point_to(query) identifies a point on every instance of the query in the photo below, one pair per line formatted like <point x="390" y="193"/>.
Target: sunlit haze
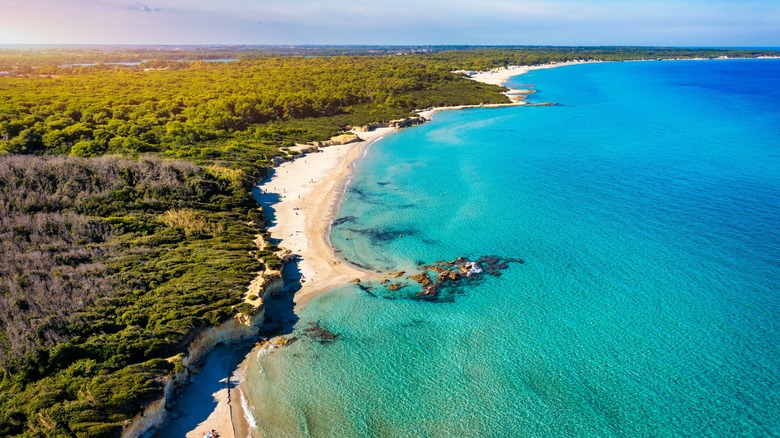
<point x="490" y="22"/>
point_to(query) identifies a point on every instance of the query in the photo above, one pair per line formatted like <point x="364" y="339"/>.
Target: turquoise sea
<point x="646" y="208"/>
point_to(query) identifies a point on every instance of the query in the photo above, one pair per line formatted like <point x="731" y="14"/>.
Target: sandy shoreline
<point x="501" y="76"/>
<point x="302" y="196"/>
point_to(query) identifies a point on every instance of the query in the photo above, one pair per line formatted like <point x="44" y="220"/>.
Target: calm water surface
<point x="646" y="209"/>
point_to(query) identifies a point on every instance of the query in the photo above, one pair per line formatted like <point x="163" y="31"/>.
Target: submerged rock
<point x="421" y="278"/>
<point x="456" y="274"/>
<point x="441" y="280"/>
<point x="448" y="275"/>
<point x="315" y="332"/>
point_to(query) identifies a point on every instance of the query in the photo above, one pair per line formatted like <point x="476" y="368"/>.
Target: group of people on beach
<point x="211" y="434"/>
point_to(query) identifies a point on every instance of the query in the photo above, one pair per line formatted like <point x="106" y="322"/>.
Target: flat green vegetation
<point x="126" y="220"/>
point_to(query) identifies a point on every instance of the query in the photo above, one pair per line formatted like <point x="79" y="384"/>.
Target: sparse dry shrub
<point x="190" y="220"/>
<point x="235" y="177"/>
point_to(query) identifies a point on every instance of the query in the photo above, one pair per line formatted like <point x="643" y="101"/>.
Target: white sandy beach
<point x="211" y="401"/>
<point x="501" y="76"/>
<point x="308" y="190"/>
<point x="304" y="194"/>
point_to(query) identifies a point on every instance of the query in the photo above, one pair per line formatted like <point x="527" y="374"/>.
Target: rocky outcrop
<point x="154" y="414"/>
<point x="445" y="275"/>
<point x="274" y="283"/>
<point x="399" y="123"/>
<point x="404" y="123"/>
<point x="368" y="128"/>
<point x="340" y="139"/>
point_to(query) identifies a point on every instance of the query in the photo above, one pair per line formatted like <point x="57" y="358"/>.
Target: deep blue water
<point x="646" y="209"/>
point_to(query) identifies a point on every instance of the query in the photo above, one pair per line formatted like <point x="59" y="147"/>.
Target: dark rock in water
<point x="367" y="268"/>
<point x="443" y="280"/>
<point x="430" y="292"/>
<point x="316" y="333"/>
<point x="367" y="290"/>
<point x="454" y="275"/>
<point x="364" y="196"/>
<point x="421" y="278"/>
<point x="493" y="265"/>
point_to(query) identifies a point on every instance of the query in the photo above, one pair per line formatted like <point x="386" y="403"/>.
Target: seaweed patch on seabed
<point x="383" y="235"/>
<point x="442" y="281"/>
<point x="343" y="220"/>
<point x="364" y="195"/>
<point x="317" y="333"/>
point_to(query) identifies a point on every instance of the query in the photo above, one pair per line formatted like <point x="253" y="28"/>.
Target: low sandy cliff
<point x="241" y="327"/>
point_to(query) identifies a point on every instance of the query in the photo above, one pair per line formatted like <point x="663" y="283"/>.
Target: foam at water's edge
<point x="250" y="419"/>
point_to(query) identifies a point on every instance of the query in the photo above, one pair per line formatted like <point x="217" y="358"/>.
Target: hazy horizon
<point x="686" y="23"/>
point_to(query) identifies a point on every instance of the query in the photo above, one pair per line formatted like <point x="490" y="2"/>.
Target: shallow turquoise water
<point x="646" y="209"/>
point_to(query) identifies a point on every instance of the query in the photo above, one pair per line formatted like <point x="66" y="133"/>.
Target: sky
<point x="734" y="23"/>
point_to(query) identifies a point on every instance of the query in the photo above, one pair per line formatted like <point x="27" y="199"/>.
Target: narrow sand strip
<point x="303" y="195"/>
<point x="501" y="76"/>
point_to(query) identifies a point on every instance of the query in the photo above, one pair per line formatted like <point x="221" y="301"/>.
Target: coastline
<point x="303" y="196"/>
<point x="501" y="76"/>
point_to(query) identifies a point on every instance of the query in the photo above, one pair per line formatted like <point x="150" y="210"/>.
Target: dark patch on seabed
<point x="317" y="333"/>
<point x="384" y="235"/>
<point x="441" y="281"/>
<point x="343" y="220"/>
<point x="364" y="196"/>
<point x="367" y="268"/>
